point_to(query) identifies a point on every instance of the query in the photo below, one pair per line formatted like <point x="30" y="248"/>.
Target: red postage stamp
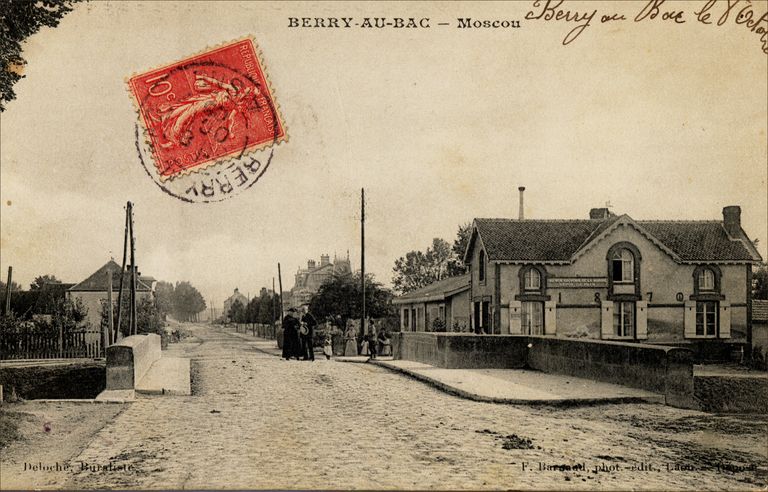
<point x="207" y="108"/>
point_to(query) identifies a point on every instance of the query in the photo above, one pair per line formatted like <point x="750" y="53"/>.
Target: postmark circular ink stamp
<point x="208" y="125"/>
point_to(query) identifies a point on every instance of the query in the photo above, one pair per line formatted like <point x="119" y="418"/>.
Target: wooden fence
<point x="47" y="345"/>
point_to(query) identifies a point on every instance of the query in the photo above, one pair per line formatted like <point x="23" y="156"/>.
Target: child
<point x="365" y="347"/>
<point x="328" y="346"/>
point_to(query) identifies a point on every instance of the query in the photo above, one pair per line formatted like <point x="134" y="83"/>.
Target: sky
<point x="439" y="126"/>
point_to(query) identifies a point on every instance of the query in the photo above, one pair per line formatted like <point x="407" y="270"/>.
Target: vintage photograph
<point x="356" y="245"/>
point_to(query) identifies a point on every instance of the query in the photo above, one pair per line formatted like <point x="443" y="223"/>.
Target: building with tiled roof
<point x="93" y="290"/>
<point x="612" y="277"/>
<point x="307" y="281"/>
<point x="446" y="300"/>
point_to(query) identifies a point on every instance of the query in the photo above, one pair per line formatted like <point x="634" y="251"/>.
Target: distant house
<point x="236" y="296"/>
<point x="93" y="291"/>
<point x="446" y="300"/>
<point x="613" y="278"/>
<point x="308" y="280"/>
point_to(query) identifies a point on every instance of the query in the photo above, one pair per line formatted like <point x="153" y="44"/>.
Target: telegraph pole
<point x="122" y="276"/>
<point x="7" y="308"/>
<point x="134" y="330"/>
<point x="362" y="259"/>
<point x="274" y="297"/>
<point x="280" y="280"/>
<point x="111" y="322"/>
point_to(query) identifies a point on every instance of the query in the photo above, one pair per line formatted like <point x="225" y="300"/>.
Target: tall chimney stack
<point x="732" y="220"/>
<point x="521" y="215"/>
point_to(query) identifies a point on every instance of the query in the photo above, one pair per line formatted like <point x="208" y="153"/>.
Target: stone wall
<point x="129" y="359"/>
<point x="664" y="370"/>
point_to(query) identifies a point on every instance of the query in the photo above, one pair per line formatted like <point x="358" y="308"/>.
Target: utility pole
<point x="362" y="260"/>
<point x="274" y="296"/>
<point x="134" y="330"/>
<point x="280" y="280"/>
<point x="111" y="322"/>
<point x="122" y="277"/>
<point x="7" y="307"/>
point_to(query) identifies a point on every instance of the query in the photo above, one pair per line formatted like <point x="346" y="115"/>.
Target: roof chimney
<point x="521" y="213"/>
<point x="311" y="264"/>
<point x="732" y="220"/>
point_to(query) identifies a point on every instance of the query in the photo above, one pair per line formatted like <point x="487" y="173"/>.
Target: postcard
<point x="384" y="245"/>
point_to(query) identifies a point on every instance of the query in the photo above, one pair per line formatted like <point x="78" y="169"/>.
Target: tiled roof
<point x="535" y="240"/>
<point x="436" y="290"/>
<point x="697" y="240"/>
<point x="559" y="240"/>
<point x="759" y="310"/>
<point x="97" y="282"/>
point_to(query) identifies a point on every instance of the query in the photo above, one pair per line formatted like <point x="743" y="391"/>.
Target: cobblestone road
<point x="260" y="422"/>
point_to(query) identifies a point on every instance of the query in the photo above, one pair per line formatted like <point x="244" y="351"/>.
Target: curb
<point x="569" y="402"/>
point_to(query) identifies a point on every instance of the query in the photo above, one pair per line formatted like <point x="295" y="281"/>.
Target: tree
<point x="441" y="260"/>
<point x="760" y="282"/>
<point x="42" y="280"/>
<point x="456" y="265"/>
<point x="19" y="21"/>
<point x="164" y="298"/>
<point x="187" y="301"/>
<point x="237" y="313"/>
<point x="340" y="296"/>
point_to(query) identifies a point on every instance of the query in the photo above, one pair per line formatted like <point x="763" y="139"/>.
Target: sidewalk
<point x="519" y="386"/>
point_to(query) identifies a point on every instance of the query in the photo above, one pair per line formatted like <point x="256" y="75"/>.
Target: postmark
<point x="208" y="124"/>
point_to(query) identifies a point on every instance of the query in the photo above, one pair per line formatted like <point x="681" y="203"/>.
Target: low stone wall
<point x="732" y="394"/>
<point x="53" y="381"/>
<point x="129" y="359"/>
<point x="664" y="370"/>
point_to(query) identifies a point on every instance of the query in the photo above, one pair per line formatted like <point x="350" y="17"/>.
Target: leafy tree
<point x="149" y="319"/>
<point x="237" y="312"/>
<point x="187" y="301"/>
<point x="341" y="296"/>
<point x="42" y="280"/>
<point x="14" y="287"/>
<point x="456" y="265"/>
<point x="19" y="20"/>
<point x="164" y="298"/>
<point x="760" y="282"/>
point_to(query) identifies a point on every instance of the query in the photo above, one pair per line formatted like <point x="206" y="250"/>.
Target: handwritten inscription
<point x="712" y="12"/>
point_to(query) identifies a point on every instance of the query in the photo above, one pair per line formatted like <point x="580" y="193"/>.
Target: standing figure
<point x="328" y="346"/>
<point x="291" y="343"/>
<point x="372" y="342"/>
<point x="350" y="349"/>
<point x="308" y="323"/>
<point x="365" y="346"/>
<point x="385" y="345"/>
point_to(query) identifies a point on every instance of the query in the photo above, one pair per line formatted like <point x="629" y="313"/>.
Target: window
<point x="706" y="318"/>
<point x="623" y="318"/>
<point x="623" y="263"/>
<point x="481" y="267"/>
<point x="532" y="318"/>
<point x="532" y="280"/>
<point x="406" y="319"/>
<point x="706" y="280"/>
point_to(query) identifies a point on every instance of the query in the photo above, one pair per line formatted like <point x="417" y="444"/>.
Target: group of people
<point x="299" y="331"/>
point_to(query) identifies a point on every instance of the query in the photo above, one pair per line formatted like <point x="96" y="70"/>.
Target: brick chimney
<point x="325" y="260"/>
<point x="732" y="220"/>
<point x="310" y="264"/>
<point x="521" y="212"/>
<point x="599" y="214"/>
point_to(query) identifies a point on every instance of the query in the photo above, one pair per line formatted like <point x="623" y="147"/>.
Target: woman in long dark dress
<point x="291" y="344"/>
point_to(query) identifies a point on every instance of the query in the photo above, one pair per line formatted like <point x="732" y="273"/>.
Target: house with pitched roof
<point x="93" y="291"/>
<point x="612" y="277"/>
<point x="446" y="300"/>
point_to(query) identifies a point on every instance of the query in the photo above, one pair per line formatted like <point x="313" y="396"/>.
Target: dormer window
<point x="532" y="280"/>
<point x="706" y="280"/>
<point x="623" y="263"/>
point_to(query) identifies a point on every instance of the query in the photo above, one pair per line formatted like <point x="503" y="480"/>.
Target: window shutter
<point x="515" y="315"/>
<point x="550" y="318"/>
<point x="641" y="310"/>
<point x="606" y="319"/>
<point x="725" y="319"/>
<point x="690" y="319"/>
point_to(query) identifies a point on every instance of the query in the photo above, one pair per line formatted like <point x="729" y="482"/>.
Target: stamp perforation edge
<point x="222" y="159"/>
